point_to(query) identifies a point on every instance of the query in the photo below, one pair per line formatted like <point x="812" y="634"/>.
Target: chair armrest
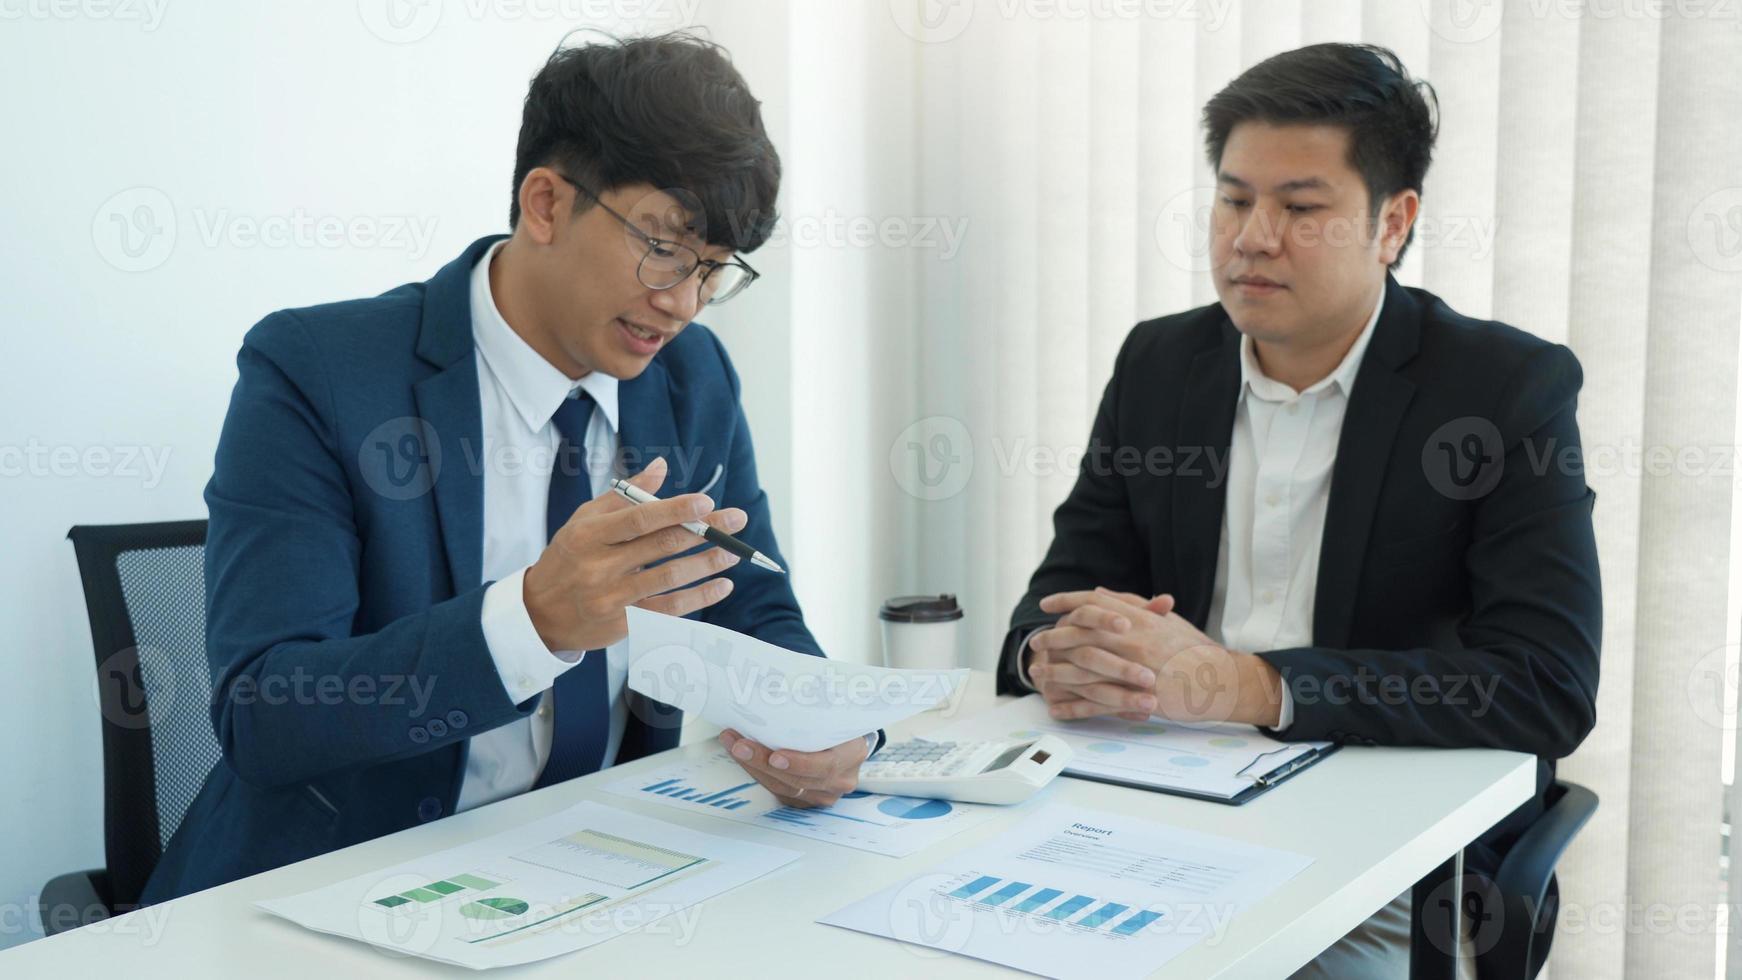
<point x="75" y="899"/>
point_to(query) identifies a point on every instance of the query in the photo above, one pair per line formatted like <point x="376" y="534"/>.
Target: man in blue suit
<point x="416" y="584"/>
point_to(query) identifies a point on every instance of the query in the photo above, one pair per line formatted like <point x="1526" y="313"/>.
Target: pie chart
<point x="911" y="809"/>
<point x="493" y="908"/>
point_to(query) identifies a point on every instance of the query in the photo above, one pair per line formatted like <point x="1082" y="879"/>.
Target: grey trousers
<point x="1377" y="949"/>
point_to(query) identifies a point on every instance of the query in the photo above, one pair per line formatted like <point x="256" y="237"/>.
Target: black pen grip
<point x="729" y="543"/>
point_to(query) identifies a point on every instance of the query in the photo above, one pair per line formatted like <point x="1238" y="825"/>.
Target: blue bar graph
<point x="981" y="890"/>
<point x="1130" y="926"/>
<point x="1038" y="899"/>
<point x="725" y="792"/>
<point x="793" y="815"/>
<point x="1068" y="908"/>
<point x="1007" y="893"/>
<point x="1102" y="915"/>
<point x="675" y="789"/>
<point x="974" y="887"/>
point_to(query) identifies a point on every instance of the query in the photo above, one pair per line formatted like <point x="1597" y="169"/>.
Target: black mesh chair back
<point x="146" y="597"/>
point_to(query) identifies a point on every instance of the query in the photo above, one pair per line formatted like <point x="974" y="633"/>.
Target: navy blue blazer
<point x="1458" y="599"/>
<point x="343" y="570"/>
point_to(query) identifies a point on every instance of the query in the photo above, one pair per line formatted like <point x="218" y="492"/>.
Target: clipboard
<point x="1261" y="783"/>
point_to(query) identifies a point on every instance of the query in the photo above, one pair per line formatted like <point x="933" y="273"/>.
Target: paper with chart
<point x="784" y="700"/>
<point x="569" y="881"/>
<point x="892" y="825"/>
<point x="1220" y="760"/>
<point x="1078" y="893"/>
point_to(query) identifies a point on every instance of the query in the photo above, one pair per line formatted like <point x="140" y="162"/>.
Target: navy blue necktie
<point x="581" y="701"/>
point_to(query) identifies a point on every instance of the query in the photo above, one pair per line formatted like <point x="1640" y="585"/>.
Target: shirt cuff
<point x="525" y="664"/>
<point x="1286" y="718"/>
<point x="1022" y="652"/>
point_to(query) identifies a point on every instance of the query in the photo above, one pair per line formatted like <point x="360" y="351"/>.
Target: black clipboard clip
<point x="1277" y="775"/>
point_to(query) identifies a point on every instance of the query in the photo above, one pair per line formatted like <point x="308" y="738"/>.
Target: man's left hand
<point x="801" y="779"/>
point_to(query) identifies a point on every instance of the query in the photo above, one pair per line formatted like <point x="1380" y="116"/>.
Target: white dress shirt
<point x="519" y="391"/>
<point x="1283" y="449"/>
<point x="1279" y="480"/>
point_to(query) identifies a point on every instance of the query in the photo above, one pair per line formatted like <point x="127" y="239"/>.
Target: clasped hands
<point x="1114" y="653"/>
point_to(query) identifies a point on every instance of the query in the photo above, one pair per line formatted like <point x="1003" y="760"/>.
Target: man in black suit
<point x="1328" y="505"/>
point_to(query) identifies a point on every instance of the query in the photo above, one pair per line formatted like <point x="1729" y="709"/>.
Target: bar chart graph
<point x="716" y="785"/>
<point x="723" y="798"/>
<point x="1080" y="911"/>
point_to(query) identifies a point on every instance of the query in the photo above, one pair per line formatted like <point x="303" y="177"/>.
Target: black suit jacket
<point x="1458" y="600"/>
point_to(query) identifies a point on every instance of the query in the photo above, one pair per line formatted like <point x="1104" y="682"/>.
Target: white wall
<point x="236" y="119"/>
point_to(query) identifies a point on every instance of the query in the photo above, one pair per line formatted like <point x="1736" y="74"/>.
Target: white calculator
<point x="1002" y="771"/>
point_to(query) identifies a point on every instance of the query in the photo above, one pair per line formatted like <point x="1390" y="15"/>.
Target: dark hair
<point x="1392" y="118"/>
<point x="667" y="110"/>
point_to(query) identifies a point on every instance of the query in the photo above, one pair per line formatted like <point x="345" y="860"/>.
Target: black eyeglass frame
<point x="654" y="244"/>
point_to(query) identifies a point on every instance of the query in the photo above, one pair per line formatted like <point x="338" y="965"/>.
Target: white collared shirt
<point x="518" y="393"/>
<point x="1279" y="480"/>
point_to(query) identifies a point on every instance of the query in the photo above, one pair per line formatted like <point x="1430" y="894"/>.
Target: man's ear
<point x="1396" y="218"/>
<point x="543" y="198"/>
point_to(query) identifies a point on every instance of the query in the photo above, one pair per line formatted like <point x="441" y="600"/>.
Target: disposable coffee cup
<point x="923" y="632"/>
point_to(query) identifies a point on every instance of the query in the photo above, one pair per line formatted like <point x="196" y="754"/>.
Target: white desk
<point x="1375" y="819"/>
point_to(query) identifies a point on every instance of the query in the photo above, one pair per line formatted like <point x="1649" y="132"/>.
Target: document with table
<point x="566" y="882"/>
<point x="1218" y="762"/>
<point x="1077" y="893"/>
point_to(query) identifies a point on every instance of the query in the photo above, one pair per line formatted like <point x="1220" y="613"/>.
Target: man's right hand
<point x="596" y="566"/>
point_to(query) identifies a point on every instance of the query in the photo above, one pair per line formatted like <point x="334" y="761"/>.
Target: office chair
<point x="1526" y="887"/>
<point x="145" y="595"/>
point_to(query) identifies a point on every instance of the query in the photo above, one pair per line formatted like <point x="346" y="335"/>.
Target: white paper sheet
<point x="783" y="699"/>
<point x="892" y="825"/>
<point x="1216" y="760"/>
<point x="563" y="883"/>
<point x="1078" y="893"/>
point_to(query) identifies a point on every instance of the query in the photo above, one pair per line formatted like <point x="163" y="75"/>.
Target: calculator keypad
<point x="922" y="759"/>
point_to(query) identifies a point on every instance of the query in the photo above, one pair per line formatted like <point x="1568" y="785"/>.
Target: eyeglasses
<point x="667" y="263"/>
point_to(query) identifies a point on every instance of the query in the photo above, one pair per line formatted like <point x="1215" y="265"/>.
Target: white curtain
<point x="1587" y="188"/>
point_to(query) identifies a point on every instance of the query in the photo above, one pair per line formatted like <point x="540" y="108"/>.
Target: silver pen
<point x="634" y="494"/>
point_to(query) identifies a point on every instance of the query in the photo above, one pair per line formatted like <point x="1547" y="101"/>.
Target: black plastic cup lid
<point x="920" y="609"/>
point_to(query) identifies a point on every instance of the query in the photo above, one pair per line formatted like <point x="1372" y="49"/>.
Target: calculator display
<point x="1009" y="756"/>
